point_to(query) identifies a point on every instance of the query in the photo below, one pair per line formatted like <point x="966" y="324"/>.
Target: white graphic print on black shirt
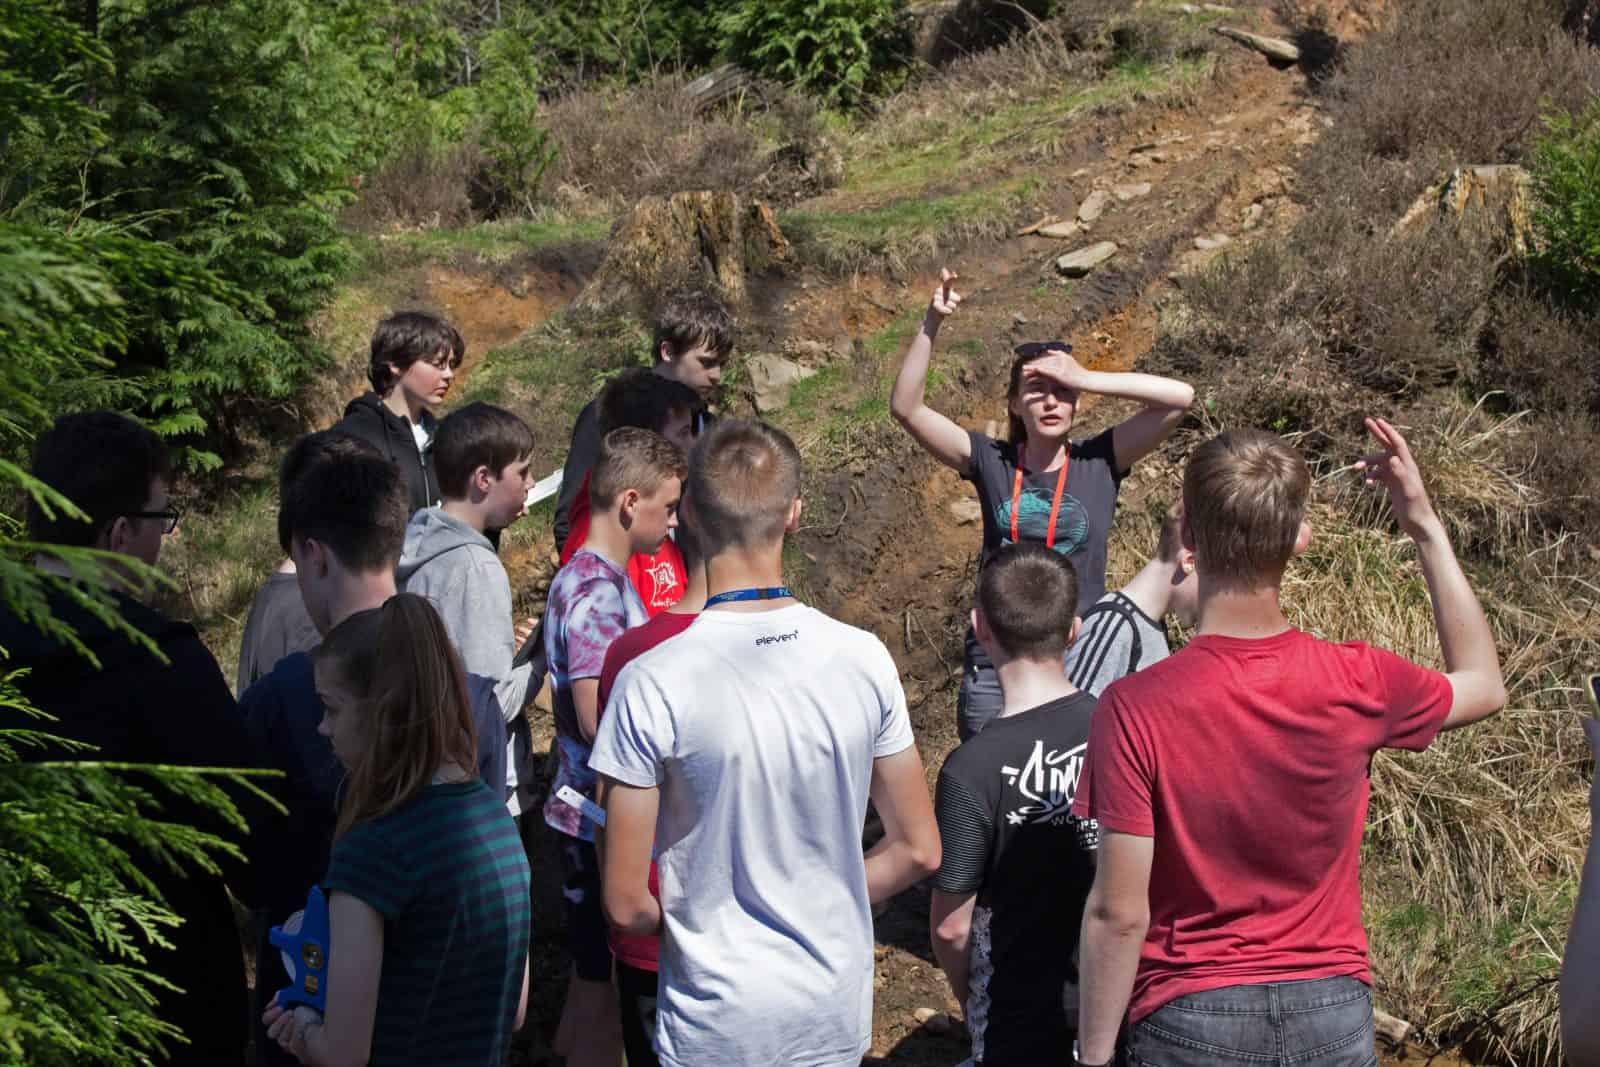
<point x="1003" y="805"/>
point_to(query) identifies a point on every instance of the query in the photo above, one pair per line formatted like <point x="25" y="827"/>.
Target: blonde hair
<point x="400" y="670"/>
<point x="1244" y="493"/>
<point x="633" y="458"/>
<point x="744" y="478"/>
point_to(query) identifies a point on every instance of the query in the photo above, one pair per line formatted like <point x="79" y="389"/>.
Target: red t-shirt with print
<point x="659" y="577"/>
<point x="637" y="950"/>
<point x="1248" y="762"/>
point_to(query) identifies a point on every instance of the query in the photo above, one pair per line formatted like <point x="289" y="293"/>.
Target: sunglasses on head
<point x="1033" y="349"/>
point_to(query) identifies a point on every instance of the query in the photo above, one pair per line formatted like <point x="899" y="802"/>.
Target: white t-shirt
<point x="760" y="729"/>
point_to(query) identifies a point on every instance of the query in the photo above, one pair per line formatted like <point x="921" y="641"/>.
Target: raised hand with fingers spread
<point x="1395" y="468"/>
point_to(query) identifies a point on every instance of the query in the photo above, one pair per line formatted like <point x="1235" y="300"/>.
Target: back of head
<point x="104" y="463"/>
<point x="744" y="478"/>
<point x="631" y="458"/>
<point x="405" y="337"/>
<point x="477" y="435"/>
<point x="343" y="493"/>
<point x="1028" y="596"/>
<point x="640" y="397"/>
<point x="688" y="320"/>
<point x="1244" y="496"/>
<point x="396" y="669"/>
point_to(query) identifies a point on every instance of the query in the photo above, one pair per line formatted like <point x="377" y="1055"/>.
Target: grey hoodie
<point x="456" y="568"/>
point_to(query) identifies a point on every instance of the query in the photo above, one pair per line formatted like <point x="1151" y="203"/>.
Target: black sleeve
<point x="1101" y="447"/>
<point x="580" y="458"/>
<point x="966" y="832"/>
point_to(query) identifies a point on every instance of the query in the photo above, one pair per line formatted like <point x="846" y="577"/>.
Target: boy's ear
<point x="1072" y="635"/>
<point x="793" y="523"/>
<point x="116" y="535"/>
<point x="1186" y="535"/>
<point x="980" y="626"/>
<point x="1302" y="540"/>
<point x="627" y="501"/>
<point x="666" y="354"/>
<point x="482" y="478"/>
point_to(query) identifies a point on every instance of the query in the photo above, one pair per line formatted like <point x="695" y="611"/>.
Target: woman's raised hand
<point x="945" y="299"/>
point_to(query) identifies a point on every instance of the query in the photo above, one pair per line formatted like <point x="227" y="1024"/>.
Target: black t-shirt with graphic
<point x="1088" y="504"/>
<point x="1004" y="804"/>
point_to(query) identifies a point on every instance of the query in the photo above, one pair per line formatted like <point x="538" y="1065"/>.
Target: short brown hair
<point x="1169" y="545"/>
<point x="641" y="397"/>
<point x="631" y="458"/>
<point x="1028" y="595"/>
<point x="405" y="337"/>
<point x="689" y="319"/>
<point x="743" y="478"/>
<point x="1244" y="493"/>
<point x="477" y="435"/>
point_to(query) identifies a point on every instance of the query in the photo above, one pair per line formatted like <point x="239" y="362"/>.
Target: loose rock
<point x="1093" y="206"/>
<point x="1130" y="191"/>
<point x="1079" y="263"/>
<point x="1213" y="242"/>
<point x="1274" y="48"/>
<point x="1061" y="229"/>
<point x="966" y="510"/>
<point x="1252" y="215"/>
<point x="771" y="377"/>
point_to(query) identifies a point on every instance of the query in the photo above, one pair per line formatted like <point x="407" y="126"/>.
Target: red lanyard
<point x="1055" y="505"/>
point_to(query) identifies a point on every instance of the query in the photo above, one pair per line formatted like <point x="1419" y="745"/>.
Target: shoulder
<point x="862" y="645"/>
<point x="1096" y="449"/>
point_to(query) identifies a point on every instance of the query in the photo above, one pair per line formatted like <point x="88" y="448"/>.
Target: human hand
<point x="945" y="299"/>
<point x="524" y="630"/>
<point x="1059" y="367"/>
<point x="1396" y="470"/>
<point x="289" y="1028"/>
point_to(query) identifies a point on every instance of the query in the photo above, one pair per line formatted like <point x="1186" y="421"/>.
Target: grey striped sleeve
<point x="1100" y="655"/>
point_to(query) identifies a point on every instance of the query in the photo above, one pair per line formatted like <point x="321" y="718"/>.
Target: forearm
<point x="635" y="913"/>
<point x="1464" y="635"/>
<point x="910" y="385"/>
<point x="893" y="866"/>
<point x="1152" y="390"/>
<point x="1110" y="958"/>
<point x="952" y="956"/>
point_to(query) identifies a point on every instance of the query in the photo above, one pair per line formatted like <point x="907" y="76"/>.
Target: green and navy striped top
<point x="448" y="874"/>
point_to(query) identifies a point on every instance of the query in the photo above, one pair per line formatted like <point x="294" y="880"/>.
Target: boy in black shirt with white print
<point x="1009" y="895"/>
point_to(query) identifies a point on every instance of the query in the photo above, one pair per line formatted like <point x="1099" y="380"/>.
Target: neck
<point x="1151" y="588"/>
<point x="742" y="567"/>
<point x="1027" y="683"/>
<point x="466" y="511"/>
<point x="1234" y="612"/>
<point x="359" y="592"/>
<point x="608" y="538"/>
<point x="694" y="596"/>
<point x="1044" y="454"/>
<point x="395" y="400"/>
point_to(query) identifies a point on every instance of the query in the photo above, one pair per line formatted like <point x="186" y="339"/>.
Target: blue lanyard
<point x="771" y="592"/>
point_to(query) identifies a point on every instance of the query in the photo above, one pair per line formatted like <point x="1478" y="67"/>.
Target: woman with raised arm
<point x="1039" y="484"/>
<point x="427" y="886"/>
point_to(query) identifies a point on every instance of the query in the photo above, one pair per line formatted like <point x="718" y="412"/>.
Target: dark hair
<point x="743" y="477"/>
<point x="631" y="458"/>
<point x="641" y="397"/>
<point x="1028" y="595"/>
<point x="346" y="495"/>
<point x="405" y="337"/>
<point x="477" y="435"/>
<point x="102" y="462"/>
<point x="689" y="319"/>
<point x="406" y="681"/>
<point x="1244" y="497"/>
<point x="1022" y="355"/>
<point x="308" y="449"/>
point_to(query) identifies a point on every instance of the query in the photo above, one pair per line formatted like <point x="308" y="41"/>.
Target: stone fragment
<point x="1130" y="191"/>
<point x="1079" y="263"/>
<point x="966" y="510"/>
<point x="1213" y="242"/>
<point x="1061" y="229"/>
<point x="1093" y="206"/>
<point x="771" y="378"/>
<point x="1274" y="48"/>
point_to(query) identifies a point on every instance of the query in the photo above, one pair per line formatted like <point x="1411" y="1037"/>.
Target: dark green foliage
<point x="840" y="50"/>
<point x="1566" y="180"/>
<point x="589" y="39"/>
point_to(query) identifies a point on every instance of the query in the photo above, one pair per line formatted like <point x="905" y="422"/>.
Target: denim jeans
<point x="1326" y="1022"/>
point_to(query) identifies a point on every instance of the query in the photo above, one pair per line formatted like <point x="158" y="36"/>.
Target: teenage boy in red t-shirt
<point x="637" y="955"/>
<point x="643" y="399"/>
<point x="1230" y="782"/>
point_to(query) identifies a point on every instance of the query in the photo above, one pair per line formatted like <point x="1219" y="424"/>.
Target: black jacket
<point x="137" y="709"/>
<point x="368" y="418"/>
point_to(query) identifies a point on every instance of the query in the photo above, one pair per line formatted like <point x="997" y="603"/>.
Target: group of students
<point x="1132" y="850"/>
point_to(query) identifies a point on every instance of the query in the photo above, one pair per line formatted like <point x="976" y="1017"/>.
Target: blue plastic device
<point x="306" y="955"/>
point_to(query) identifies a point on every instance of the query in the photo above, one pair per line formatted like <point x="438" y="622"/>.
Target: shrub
<point x="1566" y="182"/>
<point x="515" y="144"/>
<point x="839" y="50"/>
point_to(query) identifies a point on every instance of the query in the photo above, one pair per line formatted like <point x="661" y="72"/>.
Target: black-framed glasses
<point x="170" y="514"/>
<point x="1034" y="349"/>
